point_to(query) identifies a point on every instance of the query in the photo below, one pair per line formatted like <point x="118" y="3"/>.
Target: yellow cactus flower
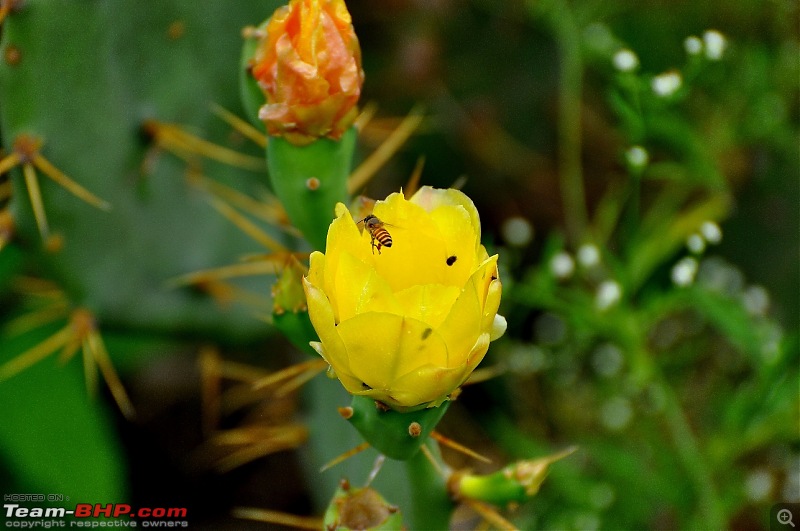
<point x="309" y="67"/>
<point x="406" y="323"/>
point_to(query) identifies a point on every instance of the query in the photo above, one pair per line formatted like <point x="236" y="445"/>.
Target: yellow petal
<point x="343" y="237"/>
<point x="429" y="303"/>
<point x="316" y="269"/>
<point x="322" y="318"/>
<point x="491" y="304"/>
<point x="431" y="198"/>
<point x="459" y="260"/>
<point x="382" y="346"/>
<point x="418" y="251"/>
<point x="476" y="354"/>
<point x="359" y="289"/>
<point x="425" y="384"/>
<point x="463" y="325"/>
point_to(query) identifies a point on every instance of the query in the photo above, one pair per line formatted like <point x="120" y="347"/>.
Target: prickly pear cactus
<point x="81" y="85"/>
<point x="85" y="80"/>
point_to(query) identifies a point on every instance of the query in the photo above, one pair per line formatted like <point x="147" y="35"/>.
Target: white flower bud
<point x="693" y="45"/>
<point x="625" y="60"/>
<point x="711" y="232"/>
<point x="684" y="271"/>
<point x="517" y="231"/>
<point x="608" y="294"/>
<point x="695" y="243"/>
<point x="637" y="156"/>
<point x="562" y="265"/>
<point x="715" y="44"/>
<point x="667" y="84"/>
<point x="588" y="255"/>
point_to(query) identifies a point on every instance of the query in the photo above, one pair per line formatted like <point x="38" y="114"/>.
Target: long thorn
<point x="432" y="460"/>
<point x="413" y="182"/>
<point x="376" y="467"/>
<point x="103" y="361"/>
<point x="210" y="379"/>
<point x="89" y="369"/>
<point x="69" y="350"/>
<point x="240" y="125"/>
<point x="36" y="200"/>
<point x="365" y="115"/>
<point x="35" y="319"/>
<point x="230" y="271"/>
<point x="242" y="372"/>
<point x="292" y="371"/>
<point x="450" y="443"/>
<point x="71" y="186"/>
<point x="361" y="176"/>
<point x="5" y="190"/>
<point x="268" y="209"/>
<point x="173" y="137"/>
<point x="284" y="438"/>
<point x="298" y="381"/>
<point x="343" y="457"/>
<point x="247" y="226"/>
<point x="490" y="515"/>
<point x="36" y="353"/>
<point x="276" y="517"/>
<point x="9" y="162"/>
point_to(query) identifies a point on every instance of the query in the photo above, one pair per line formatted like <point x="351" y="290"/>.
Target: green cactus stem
<point x="309" y="180"/>
<point x="396" y="435"/>
<point x="431" y="505"/>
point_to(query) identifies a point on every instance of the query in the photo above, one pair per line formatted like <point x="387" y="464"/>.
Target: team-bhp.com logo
<point x="94" y="515"/>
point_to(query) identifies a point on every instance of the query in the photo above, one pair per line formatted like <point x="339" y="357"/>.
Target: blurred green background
<point x="683" y="400"/>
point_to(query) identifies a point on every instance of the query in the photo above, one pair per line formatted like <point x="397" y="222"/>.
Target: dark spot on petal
<point x="494" y="277"/>
<point x="365" y="386"/>
<point x="452" y="260"/>
<point x="426" y="333"/>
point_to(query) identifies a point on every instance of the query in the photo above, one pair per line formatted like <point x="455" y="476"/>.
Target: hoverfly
<point x="380" y="237"/>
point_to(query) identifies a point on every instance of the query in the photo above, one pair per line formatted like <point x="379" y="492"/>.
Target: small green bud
<point x="515" y="483"/>
<point x="290" y="311"/>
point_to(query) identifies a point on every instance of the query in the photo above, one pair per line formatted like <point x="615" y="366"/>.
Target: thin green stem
<point x="693" y="460"/>
<point x="567" y="34"/>
<point x="431" y="507"/>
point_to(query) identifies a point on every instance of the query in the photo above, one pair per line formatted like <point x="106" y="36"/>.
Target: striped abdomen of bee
<point x="377" y="231"/>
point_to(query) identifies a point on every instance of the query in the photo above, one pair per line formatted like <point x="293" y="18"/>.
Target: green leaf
<point x="56" y="439"/>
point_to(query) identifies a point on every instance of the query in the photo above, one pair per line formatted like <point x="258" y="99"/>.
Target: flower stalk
<point x="394" y="434"/>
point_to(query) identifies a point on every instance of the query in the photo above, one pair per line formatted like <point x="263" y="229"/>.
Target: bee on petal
<point x="377" y="232"/>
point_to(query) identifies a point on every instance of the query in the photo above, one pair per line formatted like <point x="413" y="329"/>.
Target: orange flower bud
<point x="309" y="66"/>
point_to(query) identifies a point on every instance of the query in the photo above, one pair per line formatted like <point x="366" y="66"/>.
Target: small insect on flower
<point x="377" y="231"/>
